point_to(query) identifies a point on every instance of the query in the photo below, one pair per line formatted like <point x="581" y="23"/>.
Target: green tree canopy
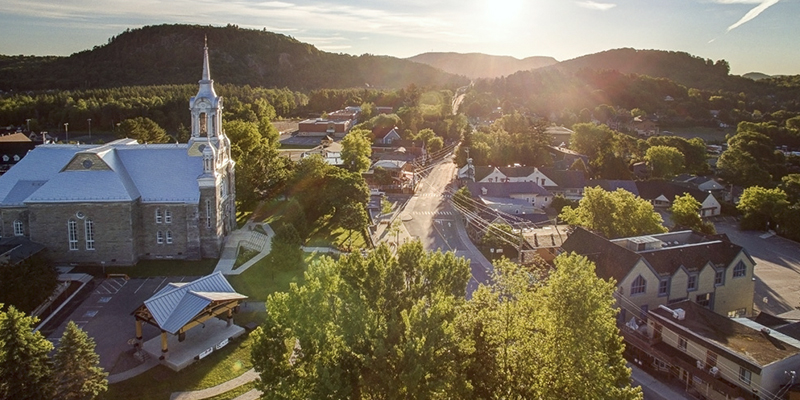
<point x="614" y="214"/>
<point x="360" y="328"/>
<point x="260" y="170"/>
<point x="77" y="371"/>
<point x="25" y="368"/>
<point x="531" y="337"/>
<point x="665" y="161"/>
<point x="143" y="129"/>
<point x="27" y="284"/>
<point x="762" y="208"/>
<point x="356" y="150"/>
<point x="686" y="214"/>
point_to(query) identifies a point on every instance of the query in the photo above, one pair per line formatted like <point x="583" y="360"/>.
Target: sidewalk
<point x="646" y="381"/>
<point x="245" y="378"/>
<point x="232" y="243"/>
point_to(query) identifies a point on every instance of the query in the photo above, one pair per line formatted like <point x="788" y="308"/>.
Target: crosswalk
<point x="446" y="195"/>
<point x="438" y="213"/>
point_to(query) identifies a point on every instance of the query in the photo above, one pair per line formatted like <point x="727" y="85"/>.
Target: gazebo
<point x="181" y="306"/>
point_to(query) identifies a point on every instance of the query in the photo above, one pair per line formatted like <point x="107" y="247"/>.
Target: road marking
<point x="159" y="285"/>
<point x="140" y="286"/>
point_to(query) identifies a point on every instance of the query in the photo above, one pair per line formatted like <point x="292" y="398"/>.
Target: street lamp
<point x="90" y="128"/>
<point x="28" y="121"/>
<point x="66" y="129"/>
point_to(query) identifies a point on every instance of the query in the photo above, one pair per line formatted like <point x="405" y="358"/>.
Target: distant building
<point x="320" y="127"/>
<point x="12" y="148"/>
<point x="120" y="202"/>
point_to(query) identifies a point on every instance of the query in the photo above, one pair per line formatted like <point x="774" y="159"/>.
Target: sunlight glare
<point x="502" y="11"/>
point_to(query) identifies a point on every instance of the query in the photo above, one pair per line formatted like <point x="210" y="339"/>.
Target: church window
<point x="203" y="124"/>
<point x="72" y="232"/>
<point x="16" y="157"/>
<point x="88" y="226"/>
<point x="158" y="215"/>
<point x="169" y="237"/>
<point x="5" y="158"/>
<point x="208" y="213"/>
<point x="167" y="216"/>
<point x="18" y="228"/>
<point x="160" y="237"/>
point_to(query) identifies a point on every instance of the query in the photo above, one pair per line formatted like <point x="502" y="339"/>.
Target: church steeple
<point x="206" y="106"/>
<point x="206" y="83"/>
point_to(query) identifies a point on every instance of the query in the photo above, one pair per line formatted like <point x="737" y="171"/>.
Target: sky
<point x="752" y="35"/>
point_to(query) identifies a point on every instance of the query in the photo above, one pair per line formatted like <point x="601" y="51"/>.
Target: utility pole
<point x="90" y="128"/>
<point x="66" y="130"/>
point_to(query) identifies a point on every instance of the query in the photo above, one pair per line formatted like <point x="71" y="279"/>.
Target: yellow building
<point x="663" y="269"/>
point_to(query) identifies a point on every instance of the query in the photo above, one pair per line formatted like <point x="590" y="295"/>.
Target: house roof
<point x="738" y="337"/>
<point x="693" y="257"/>
<point x="19" y="248"/>
<point x="505" y="189"/>
<point x="15" y="137"/>
<point x="611" y="261"/>
<point x="613" y="185"/>
<point x="651" y="190"/>
<point x="565" y="179"/>
<point x="175" y="305"/>
<point x="135" y="172"/>
<point x="390" y="164"/>
<point x="380" y="133"/>
<point x="482" y="172"/>
<point x="504" y="201"/>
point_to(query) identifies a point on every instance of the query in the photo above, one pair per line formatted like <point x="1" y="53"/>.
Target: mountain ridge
<point x="480" y="65"/>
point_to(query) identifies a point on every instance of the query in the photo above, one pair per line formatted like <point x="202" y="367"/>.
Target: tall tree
<point x="536" y="337"/>
<point x="143" y="129"/>
<point x="356" y="150"/>
<point x="360" y="328"/>
<point x="686" y="214"/>
<point x="665" y="161"/>
<point x="77" y="371"/>
<point x="761" y="207"/>
<point x="25" y="369"/>
<point x="614" y="214"/>
<point x="27" y="284"/>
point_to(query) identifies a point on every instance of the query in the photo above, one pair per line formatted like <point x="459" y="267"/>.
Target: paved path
<point x="654" y="389"/>
<point x="243" y="379"/>
<point x="249" y="237"/>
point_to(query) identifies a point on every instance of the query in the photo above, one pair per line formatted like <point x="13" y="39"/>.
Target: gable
<point x="86" y="162"/>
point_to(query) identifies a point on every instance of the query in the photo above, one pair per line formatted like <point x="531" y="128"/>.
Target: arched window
<point x="158" y="215"/>
<point x="19" y="229"/>
<point x="740" y="270"/>
<point x="167" y="216"/>
<point x="160" y="237"/>
<point x="638" y="286"/>
<point x="72" y="234"/>
<point x="203" y="124"/>
<point x="169" y="237"/>
<point x="88" y="227"/>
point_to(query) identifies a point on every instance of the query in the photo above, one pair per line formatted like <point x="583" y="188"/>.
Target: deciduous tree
<point x="143" y="129"/>
<point x="665" y="161"/>
<point x="686" y="214"/>
<point x="356" y="150"/>
<point x="614" y="214"/>
<point x="761" y="207"/>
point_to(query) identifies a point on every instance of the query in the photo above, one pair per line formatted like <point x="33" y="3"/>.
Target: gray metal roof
<point x="177" y="304"/>
<point x="161" y="173"/>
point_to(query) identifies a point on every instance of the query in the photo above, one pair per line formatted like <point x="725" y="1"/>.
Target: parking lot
<point x="106" y="315"/>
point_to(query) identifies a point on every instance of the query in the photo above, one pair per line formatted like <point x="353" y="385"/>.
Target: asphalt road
<point x="429" y="217"/>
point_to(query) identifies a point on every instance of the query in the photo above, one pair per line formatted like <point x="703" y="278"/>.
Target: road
<point x="429" y="217"/>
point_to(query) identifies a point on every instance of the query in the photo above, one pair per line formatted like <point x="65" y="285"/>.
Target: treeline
<point x="172" y="54"/>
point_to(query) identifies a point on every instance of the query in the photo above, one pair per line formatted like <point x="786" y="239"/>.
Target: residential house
<point x="383" y="110"/>
<point x="662" y="193"/>
<point x="329" y="150"/>
<point x="385" y="136"/>
<point x="320" y="127"/>
<point x="703" y="183"/>
<point x="12" y="148"/>
<point x="613" y="185"/>
<point x="530" y="192"/>
<point x="717" y="358"/>
<point x="643" y="126"/>
<point x="560" y="136"/>
<point x="661" y="269"/>
<point x="569" y="184"/>
<point x="563" y="158"/>
<point x="402" y="172"/>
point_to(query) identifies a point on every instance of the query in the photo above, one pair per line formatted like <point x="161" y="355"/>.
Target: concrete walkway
<point x="138" y="370"/>
<point x="243" y="379"/>
<point x="249" y="237"/>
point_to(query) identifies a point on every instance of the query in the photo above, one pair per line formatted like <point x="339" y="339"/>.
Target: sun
<point x="502" y="11"/>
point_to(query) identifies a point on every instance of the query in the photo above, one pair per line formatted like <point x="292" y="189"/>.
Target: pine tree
<point x="24" y="364"/>
<point x="77" y="374"/>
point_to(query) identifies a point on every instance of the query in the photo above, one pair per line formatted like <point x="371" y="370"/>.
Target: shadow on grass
<point x="148" y="268"/>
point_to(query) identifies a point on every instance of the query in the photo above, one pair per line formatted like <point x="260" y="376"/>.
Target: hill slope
<point x="172" y="54"/>
<point x="478" y="65"/>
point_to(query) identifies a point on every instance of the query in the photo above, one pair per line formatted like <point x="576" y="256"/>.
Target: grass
<point x="148" y="268"/>
<point x="266" y="276"/>
<point x="159" y="382"/>
<point x="324" y="234"/>
<point x="232" y="394"/>
<point x="244" y="255"/>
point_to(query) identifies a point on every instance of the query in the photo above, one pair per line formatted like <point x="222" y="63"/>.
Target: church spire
<point x="206" y="70"/>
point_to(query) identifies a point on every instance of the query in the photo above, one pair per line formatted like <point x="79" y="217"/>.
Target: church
<point x="123" y="201"/>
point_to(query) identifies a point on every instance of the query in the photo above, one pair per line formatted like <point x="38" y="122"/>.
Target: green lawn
<point x="244" y="255"/>
<point x="148" y="268"/>
<point x="265" y="277"/>
<point x="159" y="382"/>
<point x="325" y="234"/>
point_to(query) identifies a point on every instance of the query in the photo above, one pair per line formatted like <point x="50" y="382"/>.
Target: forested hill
<point x="478" y="65"/>
<point x="680" y="67"/>
<point x="172" y="54"/>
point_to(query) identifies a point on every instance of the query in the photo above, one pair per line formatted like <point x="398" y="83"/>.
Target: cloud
<point x="756" y="11"/>
<point x="593" y="5"/>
